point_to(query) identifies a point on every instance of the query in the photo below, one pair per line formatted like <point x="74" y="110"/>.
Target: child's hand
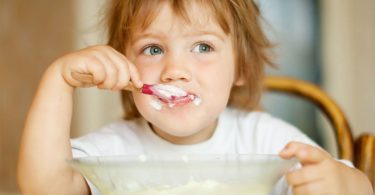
<point x="321" y="174"/>
<point x="110" y="69"/>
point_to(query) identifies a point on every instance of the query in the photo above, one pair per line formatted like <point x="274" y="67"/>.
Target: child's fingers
<point x="121" y="65"/>
<point x="307" y="174"/>
<point x="134" y="74"/>
<point x="306" y="154"/>
<point x="123" y="75"/>
<point x="97" y="70"/>
<point x="109" y="68"/>
<point x="111" y="71"/>
<point x="127" y="70"/>
<point x="133" y="71"/>
<point x="311" y="188"/>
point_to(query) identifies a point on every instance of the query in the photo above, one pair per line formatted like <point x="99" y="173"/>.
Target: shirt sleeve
<point x="271" y="134"/>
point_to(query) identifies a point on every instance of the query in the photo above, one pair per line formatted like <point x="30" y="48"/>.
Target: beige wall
<point x="93" y="107"/>
<point x="349" y="59"/>
<point x="32" y="34"/>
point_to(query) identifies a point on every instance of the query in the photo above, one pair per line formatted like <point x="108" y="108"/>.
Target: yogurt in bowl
<point x="183" y="175"/>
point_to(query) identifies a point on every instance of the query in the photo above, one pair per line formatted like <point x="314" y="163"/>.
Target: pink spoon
<point x="156" y="90"/>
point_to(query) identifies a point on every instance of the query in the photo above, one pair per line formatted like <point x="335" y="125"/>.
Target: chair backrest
<point x="364" y="158"/>
<point x="314" y="94"/>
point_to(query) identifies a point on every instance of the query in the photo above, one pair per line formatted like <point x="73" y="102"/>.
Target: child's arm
<point x="321" y="174"/>
<point x="45" y="144"/>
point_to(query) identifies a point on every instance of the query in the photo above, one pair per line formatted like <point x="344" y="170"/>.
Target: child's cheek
<point x="149" y="72"/>
<point x="142" y="102"/>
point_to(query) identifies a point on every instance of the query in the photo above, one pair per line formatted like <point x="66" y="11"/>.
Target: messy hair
<point x="238" y="18"/>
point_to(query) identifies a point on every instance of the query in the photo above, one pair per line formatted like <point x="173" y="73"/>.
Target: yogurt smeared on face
<point x="168" y="91"/>
<point x="156" y="104"/>
<point x="172" y="96"/>
<point x="197" y="101"/>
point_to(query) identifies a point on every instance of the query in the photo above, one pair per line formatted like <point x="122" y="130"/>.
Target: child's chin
<point x="184" y="133"/>
<point x="180" y="130"/>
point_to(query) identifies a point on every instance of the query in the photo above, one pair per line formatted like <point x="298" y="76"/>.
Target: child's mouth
<point x="179" y="100"/>
<point x="172" y="96"/>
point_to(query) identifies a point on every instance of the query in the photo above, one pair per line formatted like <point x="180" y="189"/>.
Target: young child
<point x="214" y="50"/>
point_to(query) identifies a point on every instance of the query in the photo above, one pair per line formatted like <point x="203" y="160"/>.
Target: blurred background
<point x="330" y="43"/>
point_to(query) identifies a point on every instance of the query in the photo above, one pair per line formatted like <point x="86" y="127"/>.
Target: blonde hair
<point x="239" y="18"/>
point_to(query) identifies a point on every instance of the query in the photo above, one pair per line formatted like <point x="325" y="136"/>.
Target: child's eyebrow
<point x="148" y="35"/>
<point x="188" y="34"/>
<point x="206" y="32"/>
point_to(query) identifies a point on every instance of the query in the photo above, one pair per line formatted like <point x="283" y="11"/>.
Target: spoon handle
<point x="87" y="78"/>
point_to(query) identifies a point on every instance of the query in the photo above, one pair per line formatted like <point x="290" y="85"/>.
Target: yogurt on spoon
<point x="172" y="96"/>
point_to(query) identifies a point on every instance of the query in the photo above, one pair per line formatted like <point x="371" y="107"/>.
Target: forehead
<point x="198" y="14"/>
<point x="198" y="21"/>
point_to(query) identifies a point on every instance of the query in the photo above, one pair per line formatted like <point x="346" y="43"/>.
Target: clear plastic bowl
<point x="187" y="174"/>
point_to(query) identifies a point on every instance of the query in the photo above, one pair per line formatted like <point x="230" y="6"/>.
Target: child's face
<point x="197" y="57"/>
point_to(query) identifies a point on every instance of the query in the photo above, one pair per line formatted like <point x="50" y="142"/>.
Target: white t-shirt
<point x="236" y="133"/>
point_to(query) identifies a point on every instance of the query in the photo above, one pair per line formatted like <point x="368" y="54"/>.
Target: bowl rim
<point x="175" y="158"/>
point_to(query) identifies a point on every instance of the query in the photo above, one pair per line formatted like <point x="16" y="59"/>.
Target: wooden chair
<point x="364" y="156"/>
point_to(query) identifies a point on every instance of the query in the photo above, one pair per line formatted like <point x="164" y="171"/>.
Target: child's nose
<point x="175" y="70"/>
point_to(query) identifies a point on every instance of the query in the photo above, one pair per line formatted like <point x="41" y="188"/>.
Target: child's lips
<point x="171" y="96"/>
<point x="179" y="100"/>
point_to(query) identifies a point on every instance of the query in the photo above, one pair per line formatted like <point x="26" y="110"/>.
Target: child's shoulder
<point x="263" y="126"/>
<point x="119" y="127"/>
<point x="254" y="118"/>
<point x="117" y="138"/>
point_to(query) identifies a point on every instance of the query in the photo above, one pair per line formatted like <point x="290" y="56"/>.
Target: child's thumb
<point x="306" y="154"/>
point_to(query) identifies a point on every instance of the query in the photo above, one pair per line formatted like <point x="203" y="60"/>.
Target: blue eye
<point x="202" y="48"/>
<point x="153" y="50"/>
